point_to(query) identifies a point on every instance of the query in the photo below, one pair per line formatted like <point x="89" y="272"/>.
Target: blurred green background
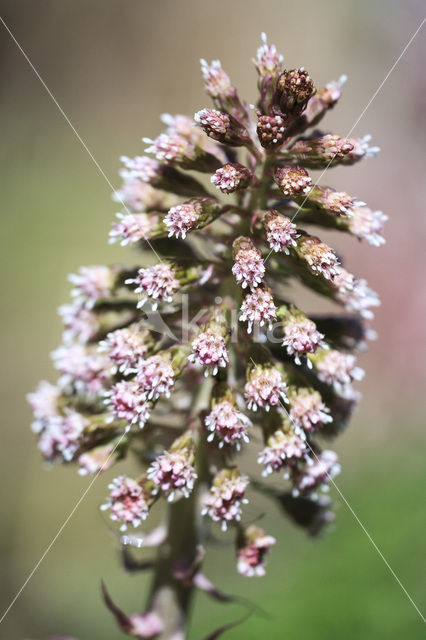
<point x="114" y="66"/>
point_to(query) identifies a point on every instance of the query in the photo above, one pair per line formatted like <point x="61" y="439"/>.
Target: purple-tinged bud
<point x="224" y="500"/>
<point x="315" y="474"/>
<point x="222" y="127"/>
<point x="281" y="233"/>
<point x="337" y="368"/>
<point x="248" y="267"/>
<point x="265" y="387"/>
<point x="81" y="324"/>
<point x="368" y="225"/>
<point x="336" y="203"/>
<point x="253" y="546"/>
<point x="301" y="335"/>
<point x="268" y="61"/>
<point x="307" y="410"/>
<point x="355" y="294"/>
<point x="283" y="449"/>
<point x="126" y="347"/>
<point x="136" y="227"/>
<point x="294" y="89"/>
<point x="173" y="471"/>
<point x="191" y="215"/>
<point x="61" y="436"/>
<point x="271" y="131"/>
<point x="226" y="422"/>
<point x="292" y="180"/>
<point x="156" y="376"/>
<point x="44" y="404"/>
<point x="128" y="401"/>
<point x="92" y="284"/>
<point x="318" y="256"/>
<point x="258" y="308"/>
<point x="231" y="177"/>
<point x="129" y="501"/>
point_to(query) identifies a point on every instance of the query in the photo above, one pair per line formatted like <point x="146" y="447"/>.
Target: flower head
<point x="283" y="448"/>
<point x="265" y="388"/>
<point x="338" y="369"/>
<point x="182" y="218"/>
<point x="252" y="551"/>
<point x="128" y="501"/>
<point x="209" y="349"/>
<point x="223" y="502"/>
<point x="258" y="308"/>
<point x="227" y="424"/>
<point x="156" y="376"/>
<point x="281" y="233"/>
<point x="232" y="176"/>
<point x="92" y="284"/>
<point x="315" y="473"/>
<point x="158" y="282"/>
<point x="301" y="336"/>
<point x="293" y="181"/>
<point x="126" y="347"/>
<point x="307" y="410"/>
<point x="173" y="473"/>
<point x="128" y="401"/>
<point x="248" y="266"/>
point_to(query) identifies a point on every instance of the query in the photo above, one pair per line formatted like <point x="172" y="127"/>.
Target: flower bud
<point x="129" y="501"/>
<point x="258" y="308"/>
<point x="209" y="348"/>
<point x="191" y="215"/>
<point x="281" y="233"/>
<point x="253" y="546"/>
<point x="283" y="448"/>
<point x="248" y="267"/>
<point x="307" y="410"/>
<point x="173" y="472"/>
<point x="224" y="500"/>
<point x="231" y="177"/>
<point x="265" y="387"/>
<point x="300" y="333"/>
<point x="293" y="181"/>
<point x="222" y="127"/>
<point x="294" y="90"/>
<point x="320" y="259"/>
<point x="271" y="131"/>
<point x="225" y="422"/>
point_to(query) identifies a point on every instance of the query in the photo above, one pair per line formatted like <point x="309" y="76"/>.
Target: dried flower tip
<point x="321" y="470"/>
<point x="368" y="225"/>
<point x="253" y="548"/>
<point x="320" y="258"/>
<point x="128" y="502"/>
<point x="209" y="349"/>
<point x="292" y="180"/>
<point x="158" y="282"/>
<point x="361" y="149"/>
<point x="92" y="284"/>
<point x="338" y="369"/>
<point x="135" y="227"/>
<point x="61" y="436"/>
<point x="271" y="131"/>
<point x="268" y="60"/>
<point x="217" y="83"/>
<point x="126" y="347"/>
<point x="224" y="500"/>
<point x="281" y="233"/>
<point x="141" y="167"/>
<point x="44" y="404"/>
<point x="231" y="177"/>
<point x="156" y="376"/>
<point x="227" y="424"/>
<point x="127" y="401"/>
<point x="355" y="294"/>
<point x="294" y="90"/>
<point x="258" y="308"/>
<point x="81" y="323"/>
<point x="248" y="267"/>
<point x="173" y="472"/>
<point x="307" y="410"/>
<point x="337" y="203"/>
<point x="283" y="449"/>
<point x="222" y="127"/>
<point x="183" y="218"/>
<point x="264" y="388"/>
